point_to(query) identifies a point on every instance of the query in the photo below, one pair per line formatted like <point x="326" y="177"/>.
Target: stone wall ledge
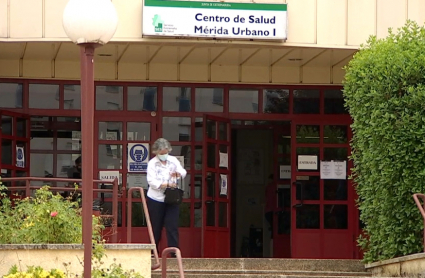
<point x="407" y="258"/>
<point x="74" y="246"/>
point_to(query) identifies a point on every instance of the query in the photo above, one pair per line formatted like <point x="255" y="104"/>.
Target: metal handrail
<point x="166" y="251"/>
<point x="28" y="187"/>
<point x="421" y="208"/>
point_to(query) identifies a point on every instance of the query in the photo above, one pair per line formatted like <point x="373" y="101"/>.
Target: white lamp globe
<point x="90" y="21"/>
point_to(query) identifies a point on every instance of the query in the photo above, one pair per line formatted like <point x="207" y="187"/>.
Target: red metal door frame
<point x="215" y="238"/>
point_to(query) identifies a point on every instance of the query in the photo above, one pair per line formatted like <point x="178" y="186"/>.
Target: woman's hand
<point x="164" y="185"/>
<point x="172" y="185"/>
<point x="175" y="175"/>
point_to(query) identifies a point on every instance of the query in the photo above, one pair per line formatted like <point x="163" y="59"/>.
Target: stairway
<point x="265" y="268"/>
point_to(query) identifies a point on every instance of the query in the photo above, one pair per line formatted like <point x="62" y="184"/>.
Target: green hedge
<point x="384" y="90"/>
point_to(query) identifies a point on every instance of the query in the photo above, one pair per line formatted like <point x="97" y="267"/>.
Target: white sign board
<point x="215" y="19"/>
<point x="137" y="157"/>
<point x="333" y="170"/>
<point x="285" y="172"/>
<point x="307" y="162"/>
<point x="224" y="160"/>
<point x="109" y="175"/>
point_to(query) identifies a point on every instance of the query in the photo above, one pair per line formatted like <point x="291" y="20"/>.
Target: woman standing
<point x="163" y="171"/>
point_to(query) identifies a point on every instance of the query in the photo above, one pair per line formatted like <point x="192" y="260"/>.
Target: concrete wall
<point x="320" y="22"/>
<point x="130" y="256"/>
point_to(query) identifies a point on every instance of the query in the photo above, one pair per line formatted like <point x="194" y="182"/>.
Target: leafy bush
<point x="384" y="89"/>
<point x="44" y="218"/>
<point x="35" y="272"/>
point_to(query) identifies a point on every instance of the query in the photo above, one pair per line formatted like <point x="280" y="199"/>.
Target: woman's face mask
<point x="163" y="157"/>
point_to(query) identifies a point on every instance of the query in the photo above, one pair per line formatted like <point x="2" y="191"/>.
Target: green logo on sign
<point x="157" y="23"/>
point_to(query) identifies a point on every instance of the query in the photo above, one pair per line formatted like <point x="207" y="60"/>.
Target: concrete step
<point x="264" y="275"/>
<point x="277" y="265"/>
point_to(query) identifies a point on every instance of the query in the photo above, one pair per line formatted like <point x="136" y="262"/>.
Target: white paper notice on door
<point x="333" y="170"/>
<point x="285" y="172"/>
<point x="224" y="162"/>
<point x="307" y="162"/>
<point x="223" y="184"/>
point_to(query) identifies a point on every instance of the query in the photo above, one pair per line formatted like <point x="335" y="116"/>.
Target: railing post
<point x="129" y="213"/>
<point x="421" y="208"/>
<point x="115" y="210"/>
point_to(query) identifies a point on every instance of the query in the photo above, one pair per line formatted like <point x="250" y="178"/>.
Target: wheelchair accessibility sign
<point x="138" y="157"/>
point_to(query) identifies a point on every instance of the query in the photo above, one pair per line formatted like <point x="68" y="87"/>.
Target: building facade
<point x="252" y="114"/>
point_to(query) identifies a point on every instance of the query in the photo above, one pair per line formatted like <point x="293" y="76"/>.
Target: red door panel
<point x="216" y="187"/>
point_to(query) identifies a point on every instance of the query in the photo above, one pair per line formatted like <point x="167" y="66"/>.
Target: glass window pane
<point x="109" y="97"/>
<point x="243" y="101"/>
<point x="284" y="222"/>
<point x="176" y="128"/>
<point x="44" y="96"/>
<point x="222" y="131"/>
<point x="72" y="97"/>
<point x="335" y="190"/>
<point x="138" y="218"/>
<point x="222" y="215"/>
<point x="10" y="95"/>
<point x="41" y="139"/>
<point x="198" y="186"/>
<point x="335" y="216"/>
<point x="308" y="134"/>
<point x="335" y="134"/>
<point x="335" y="154"/>
<point x="276" y="101"/>
<point x="66" y="141"/>
<point x="176" y="99"/>
<point x="308" y="189"/>
<point x="308" y="217"/>
<point x="21" y="127"/>
<point x="110" y="156"/>
<point x="199" y="130"/>
<point x="65" y="164"/>
<point x="334" y="102"/>
<point x="41" y="165"/>
<point x="6" y="125"/>
<point x="198" y="157"/>
<point x="183" y="151"/>
<point x="210" y="184"/>
<point x="141" y="98"/>
<point x="138" y="131"/>
<point x="209" y="99"/>
<point x="211" y="129"/>
<point x="306" y="101"/>
<point x="211" y="156"/>
<point x="198" y="215"/>
<point x="284" y="145"/>
<point x="210" y="213"/>
<point x="110" y="131"/>
<point x="6" y="151"/>
<point x="184" y="216"/>
<point x="186" y="186"/>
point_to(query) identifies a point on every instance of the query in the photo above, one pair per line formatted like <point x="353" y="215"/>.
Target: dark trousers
<point x="164" y="215"/>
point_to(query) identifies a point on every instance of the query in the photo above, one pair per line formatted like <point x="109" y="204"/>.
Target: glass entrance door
<point x="116" y="137"/>
<point x="14" y="138"/>
<point x="216" y="187"/>
<point x="323" y="206"/>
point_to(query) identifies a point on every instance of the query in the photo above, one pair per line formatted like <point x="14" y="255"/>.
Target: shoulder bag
<point x="173" y="196"/>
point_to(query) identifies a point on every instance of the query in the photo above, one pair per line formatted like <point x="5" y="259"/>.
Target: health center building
<point x="248" y="93"/>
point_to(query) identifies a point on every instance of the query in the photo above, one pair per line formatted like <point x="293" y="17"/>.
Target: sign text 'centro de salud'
<point x="214" y="19"/>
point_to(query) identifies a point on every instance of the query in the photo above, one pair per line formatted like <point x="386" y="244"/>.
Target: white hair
<point x="161" y="144"/>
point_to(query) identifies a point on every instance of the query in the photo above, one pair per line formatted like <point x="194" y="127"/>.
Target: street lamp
<point x="89" y="24"/>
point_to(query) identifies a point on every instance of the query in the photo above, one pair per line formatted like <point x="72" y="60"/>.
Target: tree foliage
<point x="384" y="90"/>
